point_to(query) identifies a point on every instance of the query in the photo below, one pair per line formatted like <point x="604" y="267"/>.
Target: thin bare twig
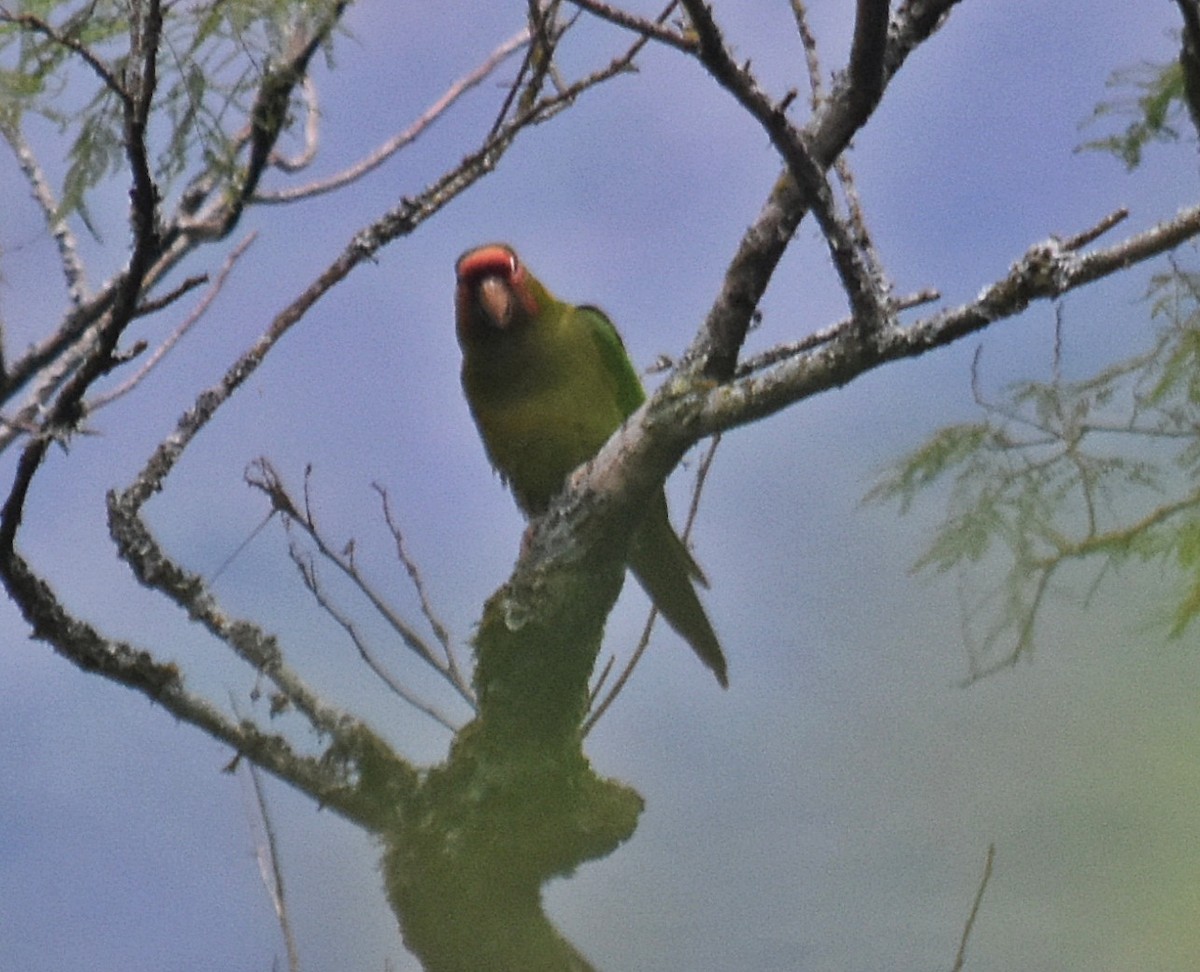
<point x="961" y="956"/>
<point x="100" y="401"/>
<point x="409" y="135"/>
<point x="1090" y="235"/>
<point x="539" y="66"/>
<point x="643" y="643"/>
<point x="312" y="581"/>
<point x="263" y="477"/>
<point x="601" y="679"/>
<point x="266" y="852"/>
<point x="649" y="29"/>
<point x="782" y="352"/>
<point x="153" y="306"/>
<point x="440" y="631"/>
<point x="237" y="551"/>
<point x="812" y="59"/>
<point x="536" y="65"/>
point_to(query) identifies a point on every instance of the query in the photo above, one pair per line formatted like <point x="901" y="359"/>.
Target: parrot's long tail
<point x="665" y="569"/>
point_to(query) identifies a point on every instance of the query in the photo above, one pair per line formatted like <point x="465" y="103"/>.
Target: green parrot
<point x="547" y="384"/>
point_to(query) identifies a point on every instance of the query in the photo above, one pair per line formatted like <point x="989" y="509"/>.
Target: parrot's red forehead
<point x="491" y="260"/>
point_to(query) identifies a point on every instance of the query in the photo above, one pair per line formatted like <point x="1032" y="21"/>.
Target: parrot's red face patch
<point x="492" y="288"/>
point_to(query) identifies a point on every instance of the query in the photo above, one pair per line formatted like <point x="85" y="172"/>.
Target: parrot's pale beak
<point x="496" y="300"/>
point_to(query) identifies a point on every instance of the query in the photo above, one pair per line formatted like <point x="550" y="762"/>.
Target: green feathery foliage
<point x="65" y="62"/>
<point x="1098" y="472"/>
<point x="1152" y="98"/>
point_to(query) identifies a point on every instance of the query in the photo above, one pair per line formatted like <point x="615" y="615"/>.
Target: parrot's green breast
<point x="546" y="399"/>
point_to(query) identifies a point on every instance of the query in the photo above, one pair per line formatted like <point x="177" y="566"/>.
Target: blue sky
<point x="832" y="809"/>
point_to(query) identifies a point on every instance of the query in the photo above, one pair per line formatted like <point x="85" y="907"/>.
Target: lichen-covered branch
<point x="849" y="104"/>
<point x="1047" y="270"/>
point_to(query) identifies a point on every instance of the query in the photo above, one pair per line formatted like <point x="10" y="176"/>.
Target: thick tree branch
<point x="867" y="52"/>
<point x="715" y="350"/>
<point x="1046" y="271"/>
<point x="863" y="283"/>
<point x="85" y="647"/>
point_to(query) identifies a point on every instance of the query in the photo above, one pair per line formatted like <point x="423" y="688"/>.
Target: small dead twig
<point x="961" y="956"/>
<point x="308" y="572"/>
<point x="812" y="60"/>
<point x="1092" y="233"/>
<point x="266" y="852"/>
<point x="148" y="307"/>
<point x="791" y="349"/>
<point x="100" y="401"/>
<point x="649" y="29"/>
<point x="440" y="631"/>
<point x="262" y="476"/>
<point x="406" y="137"/>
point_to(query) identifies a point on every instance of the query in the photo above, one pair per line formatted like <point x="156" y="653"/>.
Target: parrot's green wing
<point x="614" y="357"/>
<point x="630" y="396"/>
